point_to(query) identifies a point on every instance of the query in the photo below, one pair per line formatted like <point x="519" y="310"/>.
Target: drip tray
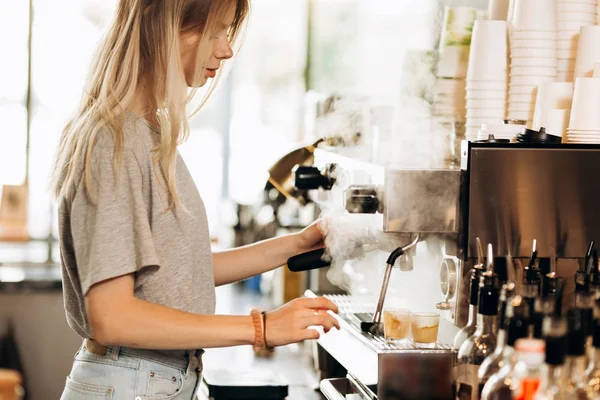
<point x="344" y="388"/>
<point x="257" y="384"/>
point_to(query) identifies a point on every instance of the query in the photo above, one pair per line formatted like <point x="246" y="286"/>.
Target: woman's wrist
<point x="248" y="330"/>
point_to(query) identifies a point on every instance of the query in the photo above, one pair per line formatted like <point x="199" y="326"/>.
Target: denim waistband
<point x="180" y="359"/>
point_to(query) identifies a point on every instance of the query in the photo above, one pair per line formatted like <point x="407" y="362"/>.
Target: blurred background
<point x="296" y="53"/>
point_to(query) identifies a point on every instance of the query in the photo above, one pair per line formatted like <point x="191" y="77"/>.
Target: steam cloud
<point x="400" y="133"/>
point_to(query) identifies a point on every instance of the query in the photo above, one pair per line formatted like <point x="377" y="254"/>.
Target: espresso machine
<point x="502" y="193"/>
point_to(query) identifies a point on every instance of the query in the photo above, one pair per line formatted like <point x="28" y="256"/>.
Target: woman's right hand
<point x="290" y="322"/>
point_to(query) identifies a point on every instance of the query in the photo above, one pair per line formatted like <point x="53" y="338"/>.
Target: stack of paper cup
<point x="498" y="9"/>
<point x="588" y="51"/>
<point x="584" y="124"/>
<point x="500" y="131"/>
<point x="572" y="16"/>
<point x="553" y="107"/>
<point x="455" y="42"/>
<point x="449" y="91"/>
<point x="486" y="76"/>
<point x="533" y="52"/>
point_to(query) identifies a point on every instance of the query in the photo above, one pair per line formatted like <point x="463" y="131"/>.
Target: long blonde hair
<point x="142" y="43"/>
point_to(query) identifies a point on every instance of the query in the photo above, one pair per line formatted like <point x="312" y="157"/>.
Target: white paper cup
<point x="596" y="70"/>
<point x="502" y="129"/>
<point x="520" y="115"/>
<point x="533" y="62"/>
<point x="532" y="44"/>
<point x="528" y="80"/>
<point x="588" y="52"/>
<point x="573" y="25"/>
<point x="583" y="134"/>
<point x="498" y="10"/>
<point x="536" y="15"/>
<point x="477" y="122"/>
<point x="445" y="98"/>
<point x="566" y="65"/>
<point x="571" y="7"/>
<point x="455" y="41"/>
<point x="457" y="93"/>
<point x="486" y="113"/>
<point x="554" y="120"/>
<point x="566" y="54"/>
<point x="523" y="89"/>
<point x="486" y="94"/>
<point x="568" y="44"/>
<point x="546" y="35"/>
<point x="453" y="62"/>
<point x="568" y="34"/>
<point x="521" y="106"/>
<point x="521" y="98"/>
<point x="487" y="85"/>
<point x="576" y="17"/>
<point x="551" y="96"/>
<point x="457" y="26"/>
<point x="488" y="56"/>
<point x="484" y="103"/>
<point x="586" y="103"/>
<point x="448" y="106"/>
<point x="567" y="76"/>
<point x="533" y="71"/>
<point x="537" y="53"/>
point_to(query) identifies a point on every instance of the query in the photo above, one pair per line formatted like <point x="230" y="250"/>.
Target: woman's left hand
<point x="311" y="237"/>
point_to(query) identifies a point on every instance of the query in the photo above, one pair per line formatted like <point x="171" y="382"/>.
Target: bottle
<point x="593" y="371"/>
<point x="576" y="357"/>
<point x="528" y="373"/>
<point x="496" y="360"/>
<point x="531" y="290"/>
<point x="498" y="386"/>
<point x="471" y="326"/>
<point x="555" y="333"/>
<point x="584" y="303"/>
<point x="477" y="347"/>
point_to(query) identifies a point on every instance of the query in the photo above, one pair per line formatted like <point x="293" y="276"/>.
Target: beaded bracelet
<point x="264" y="324"/>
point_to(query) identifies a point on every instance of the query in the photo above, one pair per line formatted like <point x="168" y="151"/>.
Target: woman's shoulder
<point x="136" y="139"/>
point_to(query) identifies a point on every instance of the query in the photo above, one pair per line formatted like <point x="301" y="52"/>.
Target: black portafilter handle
<point x="308" y="261"/>
<point x="310" y="178"/>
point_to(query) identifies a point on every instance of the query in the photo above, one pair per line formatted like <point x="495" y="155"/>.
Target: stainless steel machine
<point x="505" y="194"/>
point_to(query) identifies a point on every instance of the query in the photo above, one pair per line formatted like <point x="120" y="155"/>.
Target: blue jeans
<point x="130" y="374"/>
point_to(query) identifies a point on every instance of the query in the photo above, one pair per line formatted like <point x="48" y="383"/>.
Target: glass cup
<point x="424" y="329"/>
<point x="396" y="324"/>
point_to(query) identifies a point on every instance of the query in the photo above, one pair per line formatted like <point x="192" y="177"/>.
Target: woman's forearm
<point x="141" y="324"/>
<point x="118" y="318"/>
<point x="247" y="261"/>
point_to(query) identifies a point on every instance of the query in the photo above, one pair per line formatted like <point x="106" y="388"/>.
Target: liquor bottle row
<point x="521" y="343"/>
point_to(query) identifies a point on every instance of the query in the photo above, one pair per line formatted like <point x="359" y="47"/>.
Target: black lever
<point x="311" y="178"/>
<point x="308" y="261"/>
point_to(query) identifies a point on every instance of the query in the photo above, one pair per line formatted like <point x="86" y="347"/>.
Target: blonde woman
<point x="138" y="273"/>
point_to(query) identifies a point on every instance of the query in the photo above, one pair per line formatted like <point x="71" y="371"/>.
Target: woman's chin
<point x="198" y="83"/>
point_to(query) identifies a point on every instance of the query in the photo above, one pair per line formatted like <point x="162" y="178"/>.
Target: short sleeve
<point x="111" y="235"/>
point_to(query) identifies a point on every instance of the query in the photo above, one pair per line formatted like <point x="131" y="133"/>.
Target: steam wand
<point x="374" y="327"/>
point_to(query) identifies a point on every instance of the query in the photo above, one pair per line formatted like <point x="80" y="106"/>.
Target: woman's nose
<point x="223" y="50"/>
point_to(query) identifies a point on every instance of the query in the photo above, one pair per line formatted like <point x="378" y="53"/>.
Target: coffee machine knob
<point x="362" y="199"/>
<point x="448" y="278"/>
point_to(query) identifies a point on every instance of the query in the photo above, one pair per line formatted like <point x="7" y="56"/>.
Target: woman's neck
<point x="140" y="105"/>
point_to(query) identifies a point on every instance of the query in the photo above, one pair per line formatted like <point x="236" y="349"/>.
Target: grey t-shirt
<point x="127" y="230"/>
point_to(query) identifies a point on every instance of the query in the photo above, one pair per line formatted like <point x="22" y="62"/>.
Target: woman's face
<point x="221" y="51"/>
